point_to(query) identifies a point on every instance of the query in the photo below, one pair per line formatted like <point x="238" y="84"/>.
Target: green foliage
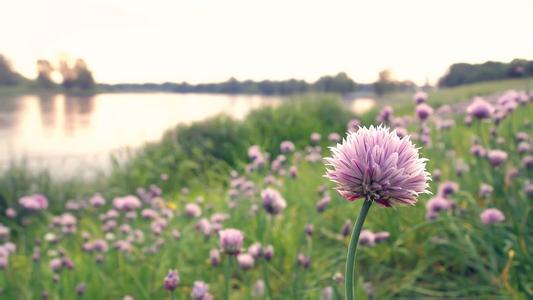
<point x="463" y="73"/>
<point x="8" y="77"/>
<point x="455" y="256"/>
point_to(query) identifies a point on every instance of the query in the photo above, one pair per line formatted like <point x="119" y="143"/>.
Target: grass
<point x="453" y="256"/>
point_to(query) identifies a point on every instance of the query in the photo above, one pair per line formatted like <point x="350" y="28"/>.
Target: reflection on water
<point x="362" y="105"/>
<point x="69" y="132"/>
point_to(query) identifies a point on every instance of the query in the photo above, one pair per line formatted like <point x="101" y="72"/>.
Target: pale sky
<point x="210" y="41"/>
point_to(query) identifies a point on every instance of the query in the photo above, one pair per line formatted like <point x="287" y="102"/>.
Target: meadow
<point x="163" y="209"/>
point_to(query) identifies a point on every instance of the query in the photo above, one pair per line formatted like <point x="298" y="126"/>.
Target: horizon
<point x="206" y="42"/>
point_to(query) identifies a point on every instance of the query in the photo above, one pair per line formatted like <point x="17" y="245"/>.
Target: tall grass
<point x="453" y="256"/>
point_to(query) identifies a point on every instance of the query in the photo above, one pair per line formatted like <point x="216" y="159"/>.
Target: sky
<point x="211" y="41"/>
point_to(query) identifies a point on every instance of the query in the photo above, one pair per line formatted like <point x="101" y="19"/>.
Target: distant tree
<point x="340" y="83"/>
<point x="7" y="75"/>
<point x="44" y="73"/>
<point x="76" y="76"/>
<point x="385" y="82"/>
<point x="84" y="77"/>
<point x="463" y="73"/>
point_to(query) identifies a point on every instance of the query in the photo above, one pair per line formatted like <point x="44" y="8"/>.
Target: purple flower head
<point x="327" y="293"/>
<point x="4" y="232"/>
<point x="309" y="229"/>
<point x="523" y="147"/>
<point x="304" y="261"/>
<point x="385" y="115"/>
<point x="200" y="291"/>
<point x="528" y="189"/>
<point x="273" y="202"/>
<point x="245" y="261"/>
<point x="254" y="152"/>
<point x="478" y="150"/>
<point x="436" y="174"/>
<point x="268" y="252"/>
<point x="80" y="289"/>
<point x="367" y="238"/>
<point x="527" y="162"/>
<point x="420" y="97"/>
<point x="255" y="250"/>
<point x="214" y="257"/>
<point x="258" y="290"/>
<point x="315" y="137"/>
<point x="334" y="137"/>
<point x="231" y="240"/>
<point x="323" y="203"/>
<point x="496" y="157"/>
<point x="286" y="146"/>
<point x="448" y="188"/>
<point x="192" y="210"/>
<point x="381" y="236"/>
<point x="97" y="200"/>
<point x="204" y="227"/>
<point x="149" y="213"/>
<point x="293" y="171"/>
<point x="346" y="228"/>
<point x="99" y="246"/>
<point x="522" y="136"/>
<point x="56" y="264"/>
<point x="401" y="132"/>
<point x="480" y="109"/>
<point x="436" y="205"/>
<point x="492" y="216"/>
<point x="127" y="203"/>
<point x="375" y="164"/>
<point x="485" y="190"/>
<point x="11" y="213"/>
<point x="172" y="280"/>
<point x="34" y="202"/>
<point x="353" y="125"/>
<point x="423" y="111"/>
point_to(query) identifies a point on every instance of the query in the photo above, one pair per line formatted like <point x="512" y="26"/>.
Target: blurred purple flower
<point x="273" y="202"/>
<point x="420" y="97"/>
<point x="480" y="109"/>
<point x="485" y="190"/>
<point x="200" y="291"/>
<point x="496" y="157"/>
<point x="334" y="137"/>
<point x="381" y="236"/>
<point x="192" y="210"/>
<point x="492" y="216"/>
<point x="385" y="115"/>
<point x="231" y="241"/>
<point x="423" y="111"/>
<point x="367" y="238"/>
<point x="286" y="146"/>
<point x="448" y="188"/>
<point x="304" y="261"/>
<point x="34" y="202"/>
<point x="245" y="261"/>
<point x="172" y="280"/>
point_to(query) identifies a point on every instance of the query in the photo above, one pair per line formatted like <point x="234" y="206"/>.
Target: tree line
<point x="74" y="75"/>
<point x="463" y="73"/>
<point x="71" y="75"/>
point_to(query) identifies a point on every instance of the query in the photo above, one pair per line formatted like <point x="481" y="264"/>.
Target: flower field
<point x="227" y="209"/>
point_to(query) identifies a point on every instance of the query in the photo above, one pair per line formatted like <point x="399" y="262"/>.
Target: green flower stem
<point x="352" y="248"/>
<point x="227" y="276"/>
